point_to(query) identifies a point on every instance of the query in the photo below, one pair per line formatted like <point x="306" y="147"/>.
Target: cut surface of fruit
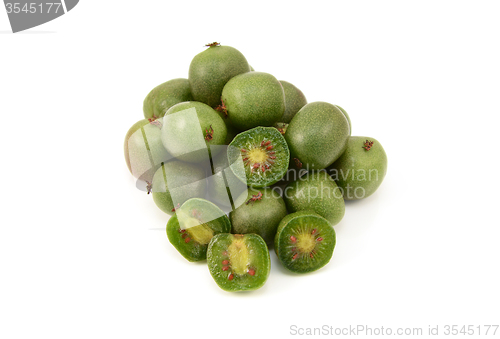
<point x="194" y="225"/>
<point x="304" y="242"/>
<point x="259" y="156"/>
<point x="238" y="262"/>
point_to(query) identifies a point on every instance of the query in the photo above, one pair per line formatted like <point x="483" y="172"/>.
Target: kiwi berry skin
<point x="211" y="69"/>
<point x="318" y="192"/>
<point x="143" y="149"/>
<point x="207" y="215"/>
<point x="179" y="137"/>
<point x="258" y="259"/>
<point x="253" y="99"/>
<point x="254" y="138"/>
<point x="295" y="224"/>
<point x="294" y="101"/>
<point x="348" y="118"/>
<point x="317" y="135"/>
<point x="261" y="216"/>
<point x="358" y="169"/>
<point x="164" y="96"/>
<point x="188" y="181"/>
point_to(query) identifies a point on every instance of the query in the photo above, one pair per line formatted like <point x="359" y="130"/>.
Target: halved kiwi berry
<point x="238" y="262"/>
<point x="304" y="242"/>
<point x="259" y="156"/>
<point x="193" y="226"/>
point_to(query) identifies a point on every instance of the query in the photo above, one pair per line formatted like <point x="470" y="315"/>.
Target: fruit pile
<point x="242" y="163"/>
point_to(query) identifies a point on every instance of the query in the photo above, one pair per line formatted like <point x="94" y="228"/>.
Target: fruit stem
<point x="213" y="44"/>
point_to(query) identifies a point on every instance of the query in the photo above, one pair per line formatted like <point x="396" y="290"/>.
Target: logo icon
<point x="24" y="15"/>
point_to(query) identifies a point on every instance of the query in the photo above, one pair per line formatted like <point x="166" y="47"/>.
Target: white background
<point x="83" y="253"/>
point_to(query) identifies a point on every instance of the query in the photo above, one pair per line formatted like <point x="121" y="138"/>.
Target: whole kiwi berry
<point x="211" y="69"/>
<point x="164" y="96"/>
<point x="260" y="214"/>
<point x="316" y="191"/>
<point x="317" y="135"/>
<point x="253" y="99"/>
<point x="361" y="168"/>
<point x="143" y="149"/>
<point x="175" y="182"/>
<point x="190" y="129"/>
<point x="294" y="101"/>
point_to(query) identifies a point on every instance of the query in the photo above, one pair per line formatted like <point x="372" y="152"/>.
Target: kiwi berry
<point x="223" y="185"/>
<point x="211" y="69"/>
<point x="191" y="129"/>
<point x="238" y="262"/>
<point x="193" y="226"/>
<point x="164" y="96"/>
<point x="144" y="151"/>
<point x="253" y="99"/>
<point x="317" y="135"/>
<point x="304" y="242"/>
<point x="175" y="182"/>
<point x="361" y="168"/>
<point x="260" y="214"/>
<point x="316" y="191"/>
<point x="259" y="157"/>
<point x="348" y="118"/>
<point x="294" y="101"/>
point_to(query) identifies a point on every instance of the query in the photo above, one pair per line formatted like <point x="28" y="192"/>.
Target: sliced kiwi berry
<point x="304" y="242"/>
<point x="259" y="156"/>
<point x="193" y="226"/>
<point x="238" y="262"/>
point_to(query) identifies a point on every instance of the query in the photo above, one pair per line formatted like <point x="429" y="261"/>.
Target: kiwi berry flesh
<point x="260" y="214"/>
<point x="304" y="242"/>
<point x="361" y="168"/>
<point x="211" y="69"/>
<point x="164" y="96"/>
<point x="316" y="191"/>
<point x="238" y="262"/>
<point x="259" y="157"/>
<point x="193" y="226"/>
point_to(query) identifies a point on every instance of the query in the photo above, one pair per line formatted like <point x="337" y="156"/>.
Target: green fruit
<point x="223" y="185"/>
<point x="253" y="99"/>
<point x="164" y="96"/>
<point x="211" y="69"/>
<point x="316" y="191"/>
<point x="194" y="225"/>
<point x="190" y="129"/>
<point x="143" y="149"/>
<point x="185" y="181"/>
<point x="281" y="127"/>
<point x="304" y="242"/>
<point x="361" y="168"/>
<point x="260" y="214"/>
<point x="238" y="262"/>
<point x="347" y="116"/>
<point x="259" y="157"/>
<point x="317" y="135"/>
<point x="294" y="101"/>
